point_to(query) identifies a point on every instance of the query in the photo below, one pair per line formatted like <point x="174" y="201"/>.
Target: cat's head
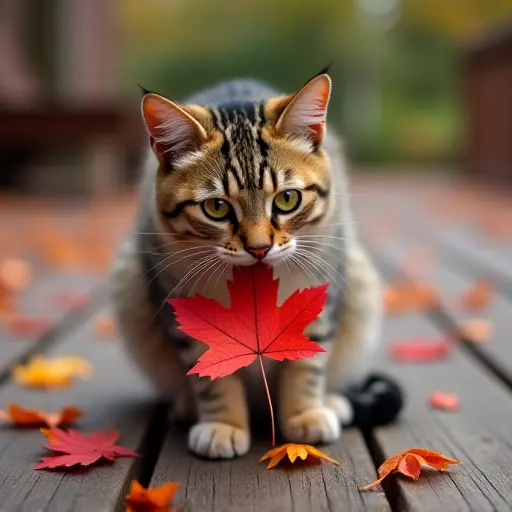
<point x="243" y="178"/>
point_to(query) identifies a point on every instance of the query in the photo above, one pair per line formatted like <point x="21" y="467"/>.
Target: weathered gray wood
<point x="39" y="300"/>
<point x="116" y="396"/>
<point x="478" y="434"/>
<point x="244" y="485"/>
<point x="452" y="280"/>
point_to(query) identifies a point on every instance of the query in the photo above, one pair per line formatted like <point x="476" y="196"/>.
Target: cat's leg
<point x="354" y="345"/>
<point x="145" y="340"/>
<point x="222" y="429"/>
<point x="303" y="414"/>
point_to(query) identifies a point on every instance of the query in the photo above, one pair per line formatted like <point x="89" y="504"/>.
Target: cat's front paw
<point x="217" y="440"/>
<point x="319" y="425"/>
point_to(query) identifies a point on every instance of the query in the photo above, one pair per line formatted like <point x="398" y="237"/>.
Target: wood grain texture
<point x="39" y="300"/>
<point x="478" y="434"/>
<point x="115" y="396"/>
<point x="244" y="485"/>
<point x="452" y="280"/>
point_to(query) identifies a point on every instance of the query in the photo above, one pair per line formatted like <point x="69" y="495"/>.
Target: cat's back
<point x="238" y="90"/>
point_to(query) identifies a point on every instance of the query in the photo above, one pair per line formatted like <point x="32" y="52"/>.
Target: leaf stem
<point x="269" y="401"/>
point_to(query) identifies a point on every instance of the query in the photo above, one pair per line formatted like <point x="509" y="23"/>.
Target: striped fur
<point x="236" y="150"/>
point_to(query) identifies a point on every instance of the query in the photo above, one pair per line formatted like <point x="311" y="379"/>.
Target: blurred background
<point x="420" y="87"/>
<point x="416" y="83"/>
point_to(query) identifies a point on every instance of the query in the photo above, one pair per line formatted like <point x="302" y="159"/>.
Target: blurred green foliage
<point x="396" y="63"/>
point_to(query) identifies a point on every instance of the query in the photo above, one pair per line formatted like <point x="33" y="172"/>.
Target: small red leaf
<point x="253" y="326"/>
<point x="445" y="401"/>
<point x="420" y="350"/>
<point x="82" y="449"/>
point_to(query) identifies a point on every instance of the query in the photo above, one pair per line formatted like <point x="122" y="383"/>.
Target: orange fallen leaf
<point x="20" y="416"/>
<point x="150" y="500"/>
<point x="105" y="326"/>
<point x="409" y="463"/>
<point x="447" y="401"/>
<point x="15" y="274"/>
<point x="478" y="296"/>
<point x="476" y="330"/>
<point x="40" y="372"/>
<point x="406" y="297"/>
<point x="276" y="455"/>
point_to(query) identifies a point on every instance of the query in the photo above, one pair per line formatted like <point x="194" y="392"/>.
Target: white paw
<point x="217" y="440"/>
<point x="313" y="426"/>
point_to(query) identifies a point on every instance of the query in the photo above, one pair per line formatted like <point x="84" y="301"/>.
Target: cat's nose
<point x="259" y="252"/>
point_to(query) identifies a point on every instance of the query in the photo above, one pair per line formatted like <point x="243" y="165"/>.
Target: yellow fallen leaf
<point x="58" y="372"/>
<point x="302" y="451"/>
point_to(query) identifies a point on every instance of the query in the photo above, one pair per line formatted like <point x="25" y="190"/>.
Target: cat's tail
<point x="377" y="402"/>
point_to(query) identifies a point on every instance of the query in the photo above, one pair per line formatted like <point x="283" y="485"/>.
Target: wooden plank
<point x="452" y="282"/>
<point x="244" y="485"/>
<point x="39" y="300"/>
<point x="116" y="396"/>
<point x="478" y="434"/>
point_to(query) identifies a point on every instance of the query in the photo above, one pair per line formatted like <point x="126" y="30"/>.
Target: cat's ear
<point x="172" y="130"/>
<point x="306" y="113"/>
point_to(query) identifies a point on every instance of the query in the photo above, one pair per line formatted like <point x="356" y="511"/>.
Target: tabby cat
<point x="236" y="175"/>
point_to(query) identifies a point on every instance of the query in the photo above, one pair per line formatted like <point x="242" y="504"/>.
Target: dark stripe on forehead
<point x="274" y="179"/>
<point x="262" y="145"/>
<point x="235" y="110"/>
<point x="220" y="123"/>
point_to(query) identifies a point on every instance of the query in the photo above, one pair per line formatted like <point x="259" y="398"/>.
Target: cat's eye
<point x="287" y="201"/>
<point x="216" y="209"/>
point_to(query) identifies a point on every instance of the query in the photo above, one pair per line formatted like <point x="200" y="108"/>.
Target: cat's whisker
<point x="314" y="259"/>
<point x="224" y="268"/>
<point x="216" y="266"/>
<point x="204" y="263"/>
<point x="199" y="263"/>
<point x="319" y="242"/>
<point x="298" y="261"/>
<point x="197" y="253"/>
<point x="211" y="268"/>
<point x="313" y="270"/>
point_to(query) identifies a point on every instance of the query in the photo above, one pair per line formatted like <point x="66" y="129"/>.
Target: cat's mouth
<point x="274" y="257"/>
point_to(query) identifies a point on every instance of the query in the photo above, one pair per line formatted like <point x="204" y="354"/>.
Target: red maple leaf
<point x="82" y="449"/>
<point x="254" y="326"/>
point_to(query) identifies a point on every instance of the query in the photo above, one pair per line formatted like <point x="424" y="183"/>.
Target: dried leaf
<point x="478" y="297"/>
<point x="447" y="401"/>
<point x="20" y="416"/>
<point x="72" y="299"/>
<point x="151" y="500"/>
<point x="420" y="350"/>
<point x="408" y="297"/>
<point x="15" y="274"/>
<point x="24" y="325"/>
<point x="294" y="451"/>
<point x="105" y="327"/>
<point x="40" y="372"/>
<point x="253" y="326"/>
<point x="479" y="331"/>
<point x="409" y="463"/>
<point x="81" y="449"/>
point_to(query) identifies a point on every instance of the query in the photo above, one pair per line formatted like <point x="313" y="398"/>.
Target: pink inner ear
<point x="307" y="112"/>
<point x="171" y="129"/>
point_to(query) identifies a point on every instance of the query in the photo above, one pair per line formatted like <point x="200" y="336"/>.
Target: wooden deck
<point x="471" y="237"/>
